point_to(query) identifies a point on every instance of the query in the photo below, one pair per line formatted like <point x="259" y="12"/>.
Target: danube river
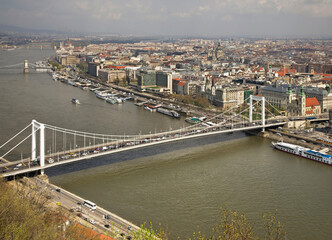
<point x="179" y="185"/>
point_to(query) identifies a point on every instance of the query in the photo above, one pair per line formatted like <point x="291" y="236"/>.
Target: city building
<point x="67" y="60"/>
<point x="93" y="68"/>
<point x="228" y="97"/>
<point x="112" y="75"/>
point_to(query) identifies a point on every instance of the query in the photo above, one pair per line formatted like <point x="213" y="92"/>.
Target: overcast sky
<point x="174" y="17"/>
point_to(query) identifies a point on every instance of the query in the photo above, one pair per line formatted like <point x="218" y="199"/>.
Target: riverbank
<point x="298" y="139"/>
<point x="104" y="224"/>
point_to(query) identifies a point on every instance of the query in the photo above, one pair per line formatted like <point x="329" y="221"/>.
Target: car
<point x="79" y="203"/>
<point x="107" y="226"/>
<point x="92" y="221"/>
<point x="58" y="190"/>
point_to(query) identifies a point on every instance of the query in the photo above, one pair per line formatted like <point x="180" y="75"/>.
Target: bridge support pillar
<point x="33" y="141"/>
<point x="257" y="98"/>
<point x="42" y="147"/>
<point x="41" y="127"/>
<point x="263" y="114"/>
<point x="26" y="66"/>
<point x="250" y="109"/>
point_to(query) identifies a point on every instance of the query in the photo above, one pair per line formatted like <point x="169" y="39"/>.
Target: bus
<point x="90" y="204"/>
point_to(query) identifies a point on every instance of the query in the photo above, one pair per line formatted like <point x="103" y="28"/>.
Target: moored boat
<point x="111" y="100"/>
<point x="149" y="109"/>
<point x="304" y="152"/>
<point x="170" y="113"/>
<point x="101" y="95"/>
<point x="119" y="100"/>
<point x="195" y="119"/>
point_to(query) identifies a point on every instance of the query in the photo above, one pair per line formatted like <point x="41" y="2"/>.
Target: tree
<point x="147" y="232"/>
<point x="235" y="226"/>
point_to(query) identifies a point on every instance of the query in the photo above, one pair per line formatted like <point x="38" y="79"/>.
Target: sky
<point x="219" y="18"/>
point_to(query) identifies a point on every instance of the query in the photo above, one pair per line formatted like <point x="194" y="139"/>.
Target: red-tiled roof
<point x="181" y="84"/>
<point x="325" y="75"/>
<point x="115" y="67"/>
<point x="309" y="112"/>
<point x="310" y="102"/>
<point x="282" y="72"/>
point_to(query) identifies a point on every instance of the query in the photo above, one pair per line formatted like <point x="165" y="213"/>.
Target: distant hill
<point x="10" y="28"/>
<point x="15" y="29"/>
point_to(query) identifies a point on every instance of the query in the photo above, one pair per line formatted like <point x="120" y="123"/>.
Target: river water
<point x="179" y="185"/>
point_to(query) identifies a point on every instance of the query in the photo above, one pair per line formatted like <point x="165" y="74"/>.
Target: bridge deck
<point x="152" y="142"/>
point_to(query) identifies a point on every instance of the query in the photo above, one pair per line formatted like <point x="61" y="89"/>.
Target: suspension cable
<point x="20" y="142"/>
<point x="15" y="135"/>
<point x="17" y="64"/>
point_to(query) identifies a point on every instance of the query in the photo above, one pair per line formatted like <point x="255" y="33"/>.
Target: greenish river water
<point x="179" y="185"/>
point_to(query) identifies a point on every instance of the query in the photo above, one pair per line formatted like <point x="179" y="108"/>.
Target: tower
<point x="26" y="66"/>
<point x="302" y="102"/>
<point x="35" y="127"/>
<point x="327" y="88"/>
<point x="289" y="94"/>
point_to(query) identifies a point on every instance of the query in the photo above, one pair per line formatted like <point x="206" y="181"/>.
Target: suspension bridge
<point x="26" y="66"/>
<point x="68" y="146"/>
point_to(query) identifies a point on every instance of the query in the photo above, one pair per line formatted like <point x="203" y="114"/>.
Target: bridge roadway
<point x="72" y="202"/>
<point x="21" y="167"/>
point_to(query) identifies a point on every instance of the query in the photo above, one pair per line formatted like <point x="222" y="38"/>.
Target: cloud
<point x="168" y="17"/>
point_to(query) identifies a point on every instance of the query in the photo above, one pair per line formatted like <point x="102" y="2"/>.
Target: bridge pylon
<point x="41" y="127"/>
<point x="26" y="66"/>
<point x="257" y="98"/>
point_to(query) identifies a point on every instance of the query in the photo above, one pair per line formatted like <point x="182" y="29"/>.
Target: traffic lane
<point x="98" y="215"/>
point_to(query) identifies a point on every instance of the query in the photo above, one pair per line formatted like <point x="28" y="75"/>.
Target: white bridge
<point x="84" y="145"/>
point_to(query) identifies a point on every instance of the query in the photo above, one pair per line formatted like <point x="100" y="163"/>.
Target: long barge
<point x="304" y="152"/>
<point x="170" y="113"/>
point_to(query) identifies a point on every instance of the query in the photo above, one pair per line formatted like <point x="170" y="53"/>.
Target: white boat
<point x="76" y="101"/>
<point x="170" y="113"/>
<point x="304" y="152"/>
<point x="101" y="95"/>
<point x="119" y="100"/>
<point x="111" y="100"/>
<point x="149" y="109"/>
